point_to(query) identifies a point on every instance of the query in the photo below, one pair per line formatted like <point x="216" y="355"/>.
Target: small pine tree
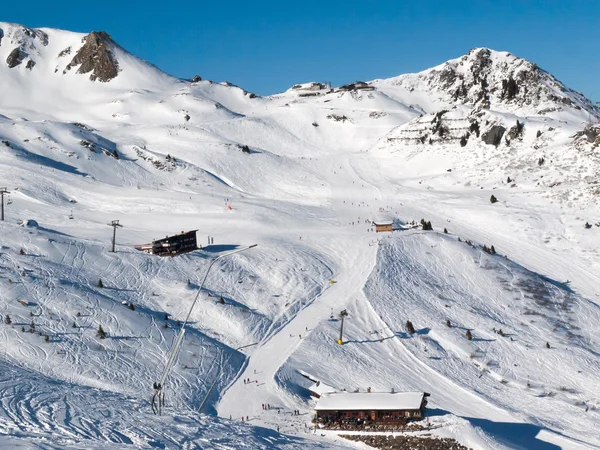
<point x="101" y="333"/>
<point x="445" y="231"/>
<point x="21" y="252"/>
<point x="78" y="314"/>
<point x="221" y="300"/>
<point x="7" y="320"/>
<point x="47" y="338"/>
<point x="166" y="325"/>
<point x="508" y="180"/>
<point x="32" y="327"/>
<point x="166" y="316"/>
<point x="492" y="250"/>
<point x="100" y="283"/>
<point x="493" y="199"/>
<point x="448" y="323"/>
<point x="500" y="332"/>
<point x="74" y="325"/>
<point x="459" y="239"/>
<point x="469" y="335"/>
<point x="587" y="225"/>
<point x="547" y="344"/>
<point x="409" y="327"/>
<point x="22" y="329"/>
<point x="131" y="307"/>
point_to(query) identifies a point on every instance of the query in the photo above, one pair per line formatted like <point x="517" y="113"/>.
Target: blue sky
<point x="267" y="46"/>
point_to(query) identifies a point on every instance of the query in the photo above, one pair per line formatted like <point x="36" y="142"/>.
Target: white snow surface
<point x="369" y="400"/>
<point x="163" y="155"/>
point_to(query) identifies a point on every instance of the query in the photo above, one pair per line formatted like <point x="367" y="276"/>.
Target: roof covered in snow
<point x="321" y="388"/>
<point x="344" y="401"/>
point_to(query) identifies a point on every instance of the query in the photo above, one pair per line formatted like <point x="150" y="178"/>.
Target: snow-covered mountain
<point x="89" y="133"/>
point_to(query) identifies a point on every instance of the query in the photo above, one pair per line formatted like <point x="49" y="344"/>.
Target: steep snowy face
<point x="495" y="80"/>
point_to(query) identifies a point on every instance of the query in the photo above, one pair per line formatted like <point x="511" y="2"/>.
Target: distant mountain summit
<point x="490" y="79"/>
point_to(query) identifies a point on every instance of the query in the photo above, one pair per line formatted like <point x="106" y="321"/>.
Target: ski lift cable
<point x="158" y="387"/>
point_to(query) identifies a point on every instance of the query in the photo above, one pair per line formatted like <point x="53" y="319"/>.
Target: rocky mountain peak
<point x="490" y="79"/>
<point x="96" y="56"/>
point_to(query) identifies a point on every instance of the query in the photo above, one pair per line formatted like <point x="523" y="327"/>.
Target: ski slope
<point x="302" y="176"/>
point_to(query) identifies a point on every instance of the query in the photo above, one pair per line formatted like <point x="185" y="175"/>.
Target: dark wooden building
<point x="382" y="226"/>
<point x="172" y="245"/>
<point x="378" y="408"/>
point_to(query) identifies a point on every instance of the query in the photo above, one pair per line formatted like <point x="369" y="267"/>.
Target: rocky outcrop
<point x="30" y="64"/>
<point x="15" y="57"/>
<point x="196" y="79"/>
<point x="494" y="135"/>
<point x="96" y="56"/>
<point x="1" y="35"/>
<point x="516" y="131"/>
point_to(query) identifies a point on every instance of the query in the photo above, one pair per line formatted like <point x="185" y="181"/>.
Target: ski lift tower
<point x="343" y="314"/>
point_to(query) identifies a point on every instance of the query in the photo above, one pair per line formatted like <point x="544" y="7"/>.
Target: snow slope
<point x="299" y="175"/>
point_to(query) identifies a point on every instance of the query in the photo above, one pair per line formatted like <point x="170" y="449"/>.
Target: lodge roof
<point x="363" y="401"/>
<point x="320" y="388"/>
<point x="383" y="222"/>
<point x="175" y="235"/>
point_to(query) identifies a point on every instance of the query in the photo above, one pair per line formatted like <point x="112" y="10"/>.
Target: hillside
<point x="89" y="133"/>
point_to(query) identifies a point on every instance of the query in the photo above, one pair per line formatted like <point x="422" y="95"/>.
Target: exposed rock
<point x="40" y="35"/>
<point x="509" y="88"/>
<point x="65" y="52"/>
<point x="96" y="56"/>
<point x="516" y="131"/>
<point x="15" y="57"/>
<point x="196" y="79"/>
<point x="494" y="135"/>
<point x="30" y="64"/>
<point x="1" y="35"/>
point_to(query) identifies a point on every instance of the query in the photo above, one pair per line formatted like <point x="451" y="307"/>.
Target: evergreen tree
<point x="101" y="333"/>
<point x="547" y="344"/>
<point x="469" y="335"/>
<point x="492" y="250"/>
<point x="409" y="327"/>
<point x="445" y="231"/>
<point x="131" y="307"/>
<point x="7" y="320"/>
<point x="100" y="283"/>
<point x="493" y="199"/>
<point x="21" y="252"/>
<point x="448" y="323"/>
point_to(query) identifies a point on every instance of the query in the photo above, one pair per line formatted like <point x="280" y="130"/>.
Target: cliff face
<point x="96" y="57"/>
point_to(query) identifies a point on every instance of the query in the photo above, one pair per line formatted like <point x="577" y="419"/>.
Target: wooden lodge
<point x="370" y="408"/>
<point x="383" y="226"/>
<point x="172" y="245"/>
